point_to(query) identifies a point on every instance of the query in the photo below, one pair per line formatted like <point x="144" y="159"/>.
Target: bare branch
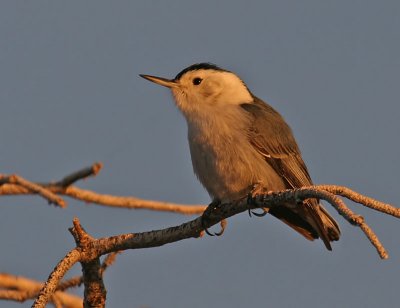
<point x="95" y="291"/>
<point x="78" y="175"/>
<point x="56" y="275"/>
<point x="78" y="280"/>
<point x="20" y="289"/>
<point x="64" y="187"/>
<point x="90" y="249"/>
<point x="132" y="202"/>
<point x="194" y="227"/>
<point x="335" y="201"/>
<point x="109" y="260"/>
<point x="32" y="188"/>
<point x="70" y="283"/>
<point x="364" y="200"/>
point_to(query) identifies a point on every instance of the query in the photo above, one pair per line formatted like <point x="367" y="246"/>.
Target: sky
<point x="70" y="95"/>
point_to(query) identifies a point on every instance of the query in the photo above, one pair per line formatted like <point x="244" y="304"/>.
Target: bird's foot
<point x="264" y="212"/>
<point x="258" y="189"/>
<point x="206" y="215"/>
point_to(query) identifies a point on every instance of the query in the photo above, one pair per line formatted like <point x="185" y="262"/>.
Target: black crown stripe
<point x="199" y="66"/>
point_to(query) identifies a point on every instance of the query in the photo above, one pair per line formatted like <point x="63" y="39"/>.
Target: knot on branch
<point x="357" y="220"/>
<point x="83" y="241"/>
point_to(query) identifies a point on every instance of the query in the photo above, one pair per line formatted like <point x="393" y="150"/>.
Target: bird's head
<point x="204" y="86"/>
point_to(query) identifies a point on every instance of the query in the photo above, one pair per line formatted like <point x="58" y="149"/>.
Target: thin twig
<point x="78" y="280"/>
<point x="79" y="175"/>
<point x="89" y="196"/>
<point x="32" y="188"/>
<point x="364" y="200"/>
<point x="132" y="202"/>
<point x="335" y="201"/>
<point x="21" y="289"/>
<point x="109" y="260"/>
<point x="70" y="283"/>
<point x="64" y="187"/>
<point x="56" y="275"/>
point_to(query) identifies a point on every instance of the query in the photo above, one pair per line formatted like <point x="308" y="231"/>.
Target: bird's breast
<point x="223" y="159"/>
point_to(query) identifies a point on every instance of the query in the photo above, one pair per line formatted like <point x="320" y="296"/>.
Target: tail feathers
<point x="330" y="224"/>
<point x="311" y="220"/>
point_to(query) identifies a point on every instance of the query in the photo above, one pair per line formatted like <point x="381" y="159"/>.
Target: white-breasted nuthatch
<point x="236" y="141"/>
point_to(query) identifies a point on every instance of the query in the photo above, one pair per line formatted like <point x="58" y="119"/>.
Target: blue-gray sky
<point x="70" y="95"/>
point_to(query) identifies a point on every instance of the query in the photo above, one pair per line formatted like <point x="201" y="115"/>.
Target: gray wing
<point x="272" y="138"/>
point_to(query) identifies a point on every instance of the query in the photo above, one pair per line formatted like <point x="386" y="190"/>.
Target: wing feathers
<point x="272" y="138"/>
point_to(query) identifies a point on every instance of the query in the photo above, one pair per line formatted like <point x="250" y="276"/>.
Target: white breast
<point x="222" y="156"/>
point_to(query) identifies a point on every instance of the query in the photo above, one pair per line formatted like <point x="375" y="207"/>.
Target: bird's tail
<point x="310" y="219"/>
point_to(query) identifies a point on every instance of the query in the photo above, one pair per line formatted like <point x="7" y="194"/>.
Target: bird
<point x="236" y="140"/>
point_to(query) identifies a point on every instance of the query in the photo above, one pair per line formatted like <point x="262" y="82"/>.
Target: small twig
<point x="364" y="200"/>
<point x="56" y="275"/>
<point x="56" y="302"/>
<point x="33" y="188"/>
<point x="335" y="201"/>
<point x="21" y="289"/>
<point x="132" y="202"/>
<point x="70" y="283"/>
<point x="64" y="187"/>
<point x="109" y="260"/>
<point x="78" y="280"/>
<point x="82" y="238"/>
<point x="79" y="175"/>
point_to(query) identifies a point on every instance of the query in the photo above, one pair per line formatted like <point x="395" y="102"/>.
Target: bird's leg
<point x="258" y="189"/>
<point x="206" y="214"/>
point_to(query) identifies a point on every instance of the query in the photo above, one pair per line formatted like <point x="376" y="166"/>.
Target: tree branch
<point x="20" y="289"/>
<point x="95" y="291"/>
<point x="64" y="187"/>
<point x="17" y="288"/>
<point x="78" y="280"/>
<point x="363" y="200"/>
<point x="78" y="175"/>
<point x="194" y="228"/>
<point x="31" y="188"/>
<point x="56" y="275"/>
<point x="89" y="249"/>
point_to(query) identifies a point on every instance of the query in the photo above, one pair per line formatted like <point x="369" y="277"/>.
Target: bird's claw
<point x="214" y="205"/>
<point x="204" y="228"/>
<point x="258" y="189"/>
<point x="265" y="212"/>
<point x="223" y="226"/>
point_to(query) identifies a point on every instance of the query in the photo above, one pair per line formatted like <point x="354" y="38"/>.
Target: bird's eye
<point x="197" y="81"/>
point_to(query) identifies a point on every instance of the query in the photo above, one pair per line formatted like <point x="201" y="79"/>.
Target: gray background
<point x="70" y="95"/>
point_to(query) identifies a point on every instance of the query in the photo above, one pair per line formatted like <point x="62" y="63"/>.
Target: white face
<point x="199" y="89"/>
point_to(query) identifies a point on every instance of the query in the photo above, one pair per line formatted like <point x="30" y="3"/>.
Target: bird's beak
<point x="169" y="83"/>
